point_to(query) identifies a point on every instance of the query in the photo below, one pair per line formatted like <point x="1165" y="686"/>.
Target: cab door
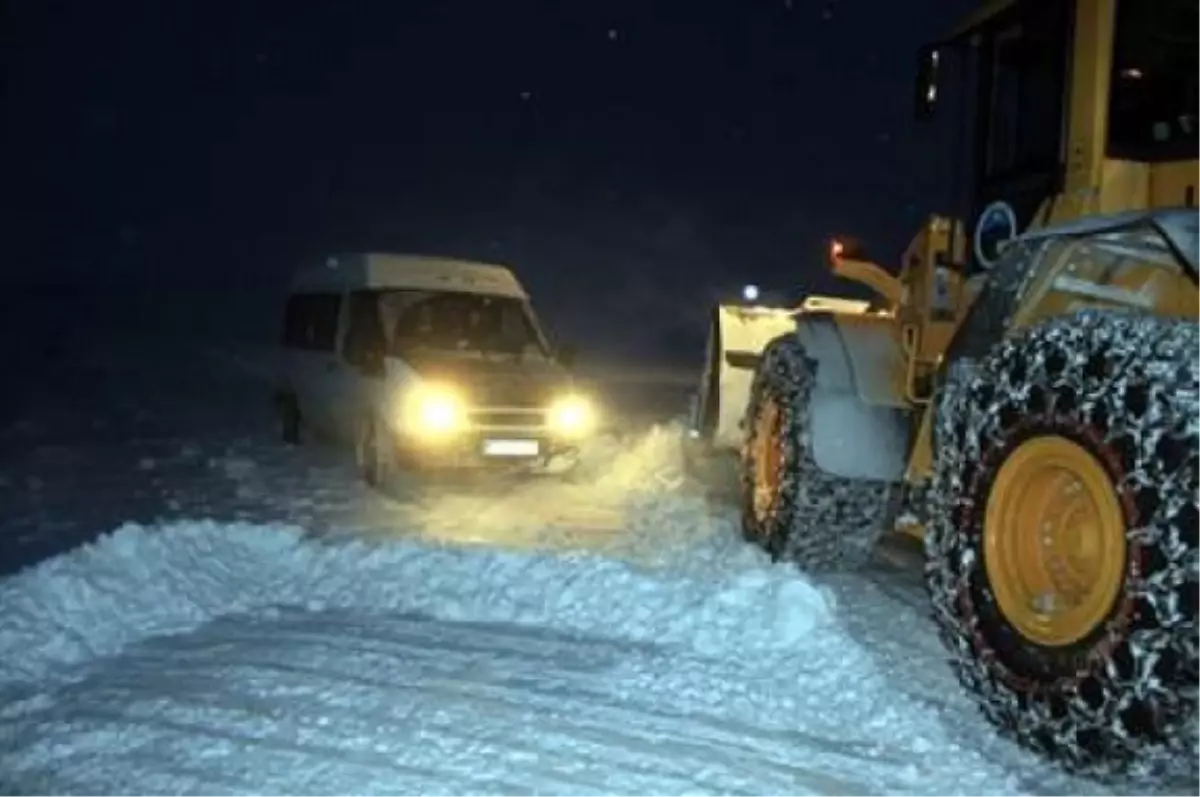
<point x="1021" y="59"/>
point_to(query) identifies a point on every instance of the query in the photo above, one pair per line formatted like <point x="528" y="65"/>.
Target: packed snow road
<point x="272" y="626"/>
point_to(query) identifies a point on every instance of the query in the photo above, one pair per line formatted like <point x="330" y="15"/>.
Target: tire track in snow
<point x="149" y="763"/>
<point x="256" y="727"/>
<point x="431" y="641"/>
<point x="558" y="718"/>
<point x="255" y="740"/>
<point x="562" y="713"/>
<point x="598" y="730"/>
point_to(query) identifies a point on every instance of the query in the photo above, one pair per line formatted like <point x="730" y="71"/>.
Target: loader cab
<point x="1061" y="109"/>
<point x="1000" y="82"/>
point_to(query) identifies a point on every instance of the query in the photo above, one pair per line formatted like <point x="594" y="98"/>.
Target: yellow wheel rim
<point x="1054" y="541"/>
<point x="768" y="460"/>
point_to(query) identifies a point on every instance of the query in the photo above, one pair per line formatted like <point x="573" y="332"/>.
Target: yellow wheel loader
<point x="1023" y="393"/>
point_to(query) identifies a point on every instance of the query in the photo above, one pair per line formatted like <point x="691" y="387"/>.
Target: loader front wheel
<point x="766" y="462"/>
<point x="1062" y="550"/>
<point x="790" y="507"/>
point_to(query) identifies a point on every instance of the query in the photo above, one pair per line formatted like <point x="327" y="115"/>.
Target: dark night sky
<point x="632" y="158"/>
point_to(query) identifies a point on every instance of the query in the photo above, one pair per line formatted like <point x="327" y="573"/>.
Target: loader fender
<point x="860" y="422"/>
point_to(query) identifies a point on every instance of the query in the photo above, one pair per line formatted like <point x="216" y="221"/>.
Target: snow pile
<point x="668" y="523"/>
<point x="140" y="582"/>
<point x="628" y="500"/>
<point x="619" y="465"/>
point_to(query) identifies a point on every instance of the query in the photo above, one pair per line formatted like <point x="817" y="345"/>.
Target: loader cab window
<point x="1015" y="68"/>
<point x="1023" y="90"/>
<point x="1153" y="98"/>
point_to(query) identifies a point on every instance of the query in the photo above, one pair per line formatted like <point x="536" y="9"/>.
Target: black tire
<point x="289" y="419"/>
<point x="818" y="521"/>
<point x="1124" y="387"/>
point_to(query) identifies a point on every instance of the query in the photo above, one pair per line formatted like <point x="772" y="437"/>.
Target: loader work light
<point x="750" y="293"/>
<point x="572" y="416"/>
<point x="846" y="248"/>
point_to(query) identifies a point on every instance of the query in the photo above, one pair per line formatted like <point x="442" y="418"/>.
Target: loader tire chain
<point x="1137" y="381"/>
<point x="915" y="501"/>
<point x="827" y="522"/>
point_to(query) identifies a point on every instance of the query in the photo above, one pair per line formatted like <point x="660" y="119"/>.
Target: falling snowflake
<point x="612" y="34"/>
<point x="525" y="95"/>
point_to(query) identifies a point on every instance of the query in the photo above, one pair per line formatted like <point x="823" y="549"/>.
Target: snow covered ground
<point x="260" y="622"/>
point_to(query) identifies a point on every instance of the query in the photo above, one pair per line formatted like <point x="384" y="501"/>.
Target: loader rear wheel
<point x="1062" y="549"/>
<point x="790" y="507"/>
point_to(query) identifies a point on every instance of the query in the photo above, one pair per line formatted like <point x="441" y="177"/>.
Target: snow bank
<point x="140" y="582"/>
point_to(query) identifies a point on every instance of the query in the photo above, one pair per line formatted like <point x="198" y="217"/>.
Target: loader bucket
<point x="713" y="439"/>
<point x="737" y="337"/>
